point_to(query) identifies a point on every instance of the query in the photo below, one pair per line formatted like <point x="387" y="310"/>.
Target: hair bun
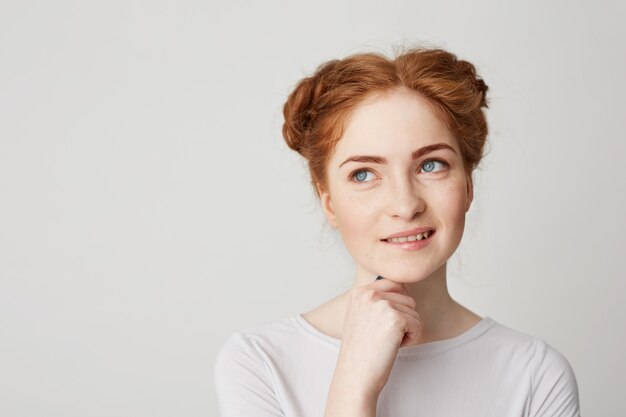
<point x="298" y="114"/>
<point x="302" y="108"/>
<point x="478" y="84"/>
<point x="482" y="88"/>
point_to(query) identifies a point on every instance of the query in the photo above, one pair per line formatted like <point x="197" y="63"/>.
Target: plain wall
<point x="149" y="205"/>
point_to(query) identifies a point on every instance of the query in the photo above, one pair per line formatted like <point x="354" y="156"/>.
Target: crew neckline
<point x="422" y="349"/>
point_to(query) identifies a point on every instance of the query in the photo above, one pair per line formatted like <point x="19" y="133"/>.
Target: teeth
<point x="412" y="238"/>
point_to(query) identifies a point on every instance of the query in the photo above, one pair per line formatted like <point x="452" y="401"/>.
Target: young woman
<point x="391" y="146"/>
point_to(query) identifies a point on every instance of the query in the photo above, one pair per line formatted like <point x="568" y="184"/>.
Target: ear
<point x="470" y="191"/>
<point x="327" y="206"/>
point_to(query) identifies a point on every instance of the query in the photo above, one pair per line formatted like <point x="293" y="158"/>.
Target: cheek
<point x="452" y="202"/>
<point x="357" y="220"/>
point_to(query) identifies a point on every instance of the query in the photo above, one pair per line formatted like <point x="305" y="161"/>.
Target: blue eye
<point x="429" y="166"/>
<point x="360" y="175"/>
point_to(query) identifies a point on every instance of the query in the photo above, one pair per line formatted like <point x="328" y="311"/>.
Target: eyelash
<point x="351" y="176"/>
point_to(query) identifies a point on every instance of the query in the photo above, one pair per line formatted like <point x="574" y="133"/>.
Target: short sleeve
<point x="243" y="382"/>
<point x="554" y="386"/>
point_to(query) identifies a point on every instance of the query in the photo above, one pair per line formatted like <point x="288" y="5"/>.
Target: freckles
<point x="450" y="196"/>
<point x="456" y="190"/>
<point x="358" y="209"/>
<point x="351" y="220"/>
<point x="358" y="219"/>
<point x="450" y="201"/>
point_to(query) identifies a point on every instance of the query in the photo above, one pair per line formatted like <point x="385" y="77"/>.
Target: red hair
<point x="316" y="109"/>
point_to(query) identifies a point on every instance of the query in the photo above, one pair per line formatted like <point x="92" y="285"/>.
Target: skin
<point x="399" y="195"/>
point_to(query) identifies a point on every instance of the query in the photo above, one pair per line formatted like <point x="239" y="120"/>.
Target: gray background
<point x="149" y="206"/>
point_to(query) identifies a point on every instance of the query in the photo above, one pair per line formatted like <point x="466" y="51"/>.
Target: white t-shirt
<point x="285" y="369"/>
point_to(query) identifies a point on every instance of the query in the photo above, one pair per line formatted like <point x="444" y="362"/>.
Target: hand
<point x="380" y="318"/>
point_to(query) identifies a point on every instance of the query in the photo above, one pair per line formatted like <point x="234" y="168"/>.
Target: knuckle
<point x="411" y="301"/>
<point x="385" y="303"/>
<point x="369" y="294"/>
<point x="383" y="308"/>
<point x="397" y="320"/>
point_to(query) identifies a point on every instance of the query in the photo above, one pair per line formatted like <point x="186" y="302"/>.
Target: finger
<point x="412" y="334"/>
<point x="384" y="283"/>
<point x="412" y="330"/>
<point x="406" y="310"/>
<point x="388" y="285"/>
<point x="397" y="298"/>
<point x="412" y="326"/>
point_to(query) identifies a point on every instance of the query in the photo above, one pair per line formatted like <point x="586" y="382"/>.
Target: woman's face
<point x="386" y="191"/>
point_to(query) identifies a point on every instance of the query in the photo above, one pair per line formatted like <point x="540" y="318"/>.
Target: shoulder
<point x="553" y="386"/>
<point x="538" y="353"/>
<point x="254" y="343"/>
<point x="245" y="383"/>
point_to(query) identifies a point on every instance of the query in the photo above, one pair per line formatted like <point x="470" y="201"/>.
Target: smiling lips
<point x="411" y="239"/>
<point x="418" y="233"/>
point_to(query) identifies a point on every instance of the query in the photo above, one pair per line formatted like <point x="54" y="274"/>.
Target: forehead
<point x="397" y="120"/>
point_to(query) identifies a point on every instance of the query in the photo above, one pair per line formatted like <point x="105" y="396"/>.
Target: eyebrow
<point x="414" y="155"/>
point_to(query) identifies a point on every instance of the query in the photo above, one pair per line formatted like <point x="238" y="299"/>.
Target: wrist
<point x="350" y="406"/>
<point x="348" y="399"/>
<point x="354" y="385"/>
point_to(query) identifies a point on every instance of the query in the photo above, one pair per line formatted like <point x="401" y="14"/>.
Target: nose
<point x="406" y="199"/>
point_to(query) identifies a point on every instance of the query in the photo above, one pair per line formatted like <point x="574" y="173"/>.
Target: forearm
<point x="346" y="400"/>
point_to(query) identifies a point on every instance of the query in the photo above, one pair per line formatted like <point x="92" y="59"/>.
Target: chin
<point x="410" y="277"/>
<point x="406" y="274"/>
